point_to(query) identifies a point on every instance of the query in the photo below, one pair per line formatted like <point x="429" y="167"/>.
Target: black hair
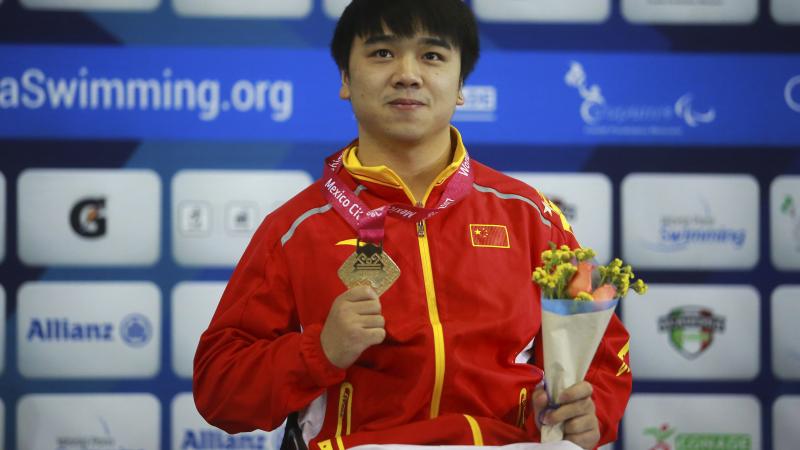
<point x="451" y="20"/>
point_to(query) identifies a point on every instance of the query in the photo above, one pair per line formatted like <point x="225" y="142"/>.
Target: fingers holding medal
<point x="354" y="324"/>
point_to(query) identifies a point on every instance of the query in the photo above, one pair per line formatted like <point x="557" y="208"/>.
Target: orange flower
<point x="604" y="292"/>
<point x="582" y="280"/>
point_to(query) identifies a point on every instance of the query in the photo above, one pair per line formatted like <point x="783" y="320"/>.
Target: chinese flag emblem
<point x="495" y="236"/>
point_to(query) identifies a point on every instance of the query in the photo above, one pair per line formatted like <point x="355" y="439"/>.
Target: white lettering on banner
<point x="789" y="93"/>
<point x="338" y="194"/>
<point x="64" y="330"/>
<point x="355" y="211"/>
<point x="464" y="169"/>
<point x="403" y="212"/>
<point x="375" y="212"/>
<point x="212" y="439"/>
<point x="447" y="202"/>
<point x="35" y="90"/>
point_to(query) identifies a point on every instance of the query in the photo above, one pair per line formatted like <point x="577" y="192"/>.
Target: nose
<point x="407" y="73"/>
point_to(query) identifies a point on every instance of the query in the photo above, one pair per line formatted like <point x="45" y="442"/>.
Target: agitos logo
<point x="691" y="329"/>
<point x="88" y="217"/>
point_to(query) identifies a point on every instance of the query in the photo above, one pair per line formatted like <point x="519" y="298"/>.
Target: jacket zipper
<point x="433" y="316"/>
<point x="345" y="411"/>
<point x="523" y="407"/>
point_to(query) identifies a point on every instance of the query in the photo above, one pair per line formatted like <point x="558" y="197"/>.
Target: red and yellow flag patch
<point x="493" y="236"/>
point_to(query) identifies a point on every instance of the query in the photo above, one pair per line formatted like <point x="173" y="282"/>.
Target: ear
<point x="344" y="91"/>
<point x="460" y="99"/>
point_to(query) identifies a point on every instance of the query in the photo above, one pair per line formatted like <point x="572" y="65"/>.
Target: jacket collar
<point x="386" y="177"/>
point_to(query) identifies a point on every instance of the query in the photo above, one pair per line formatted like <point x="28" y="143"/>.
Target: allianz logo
<point x="217" y="440"/>
<point x="595" y="109"/>
<point x="135" y="330"/>
<point x="792" y="93"/>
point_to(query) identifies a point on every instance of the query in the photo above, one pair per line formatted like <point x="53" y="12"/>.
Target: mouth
<point x="406" y="104"/>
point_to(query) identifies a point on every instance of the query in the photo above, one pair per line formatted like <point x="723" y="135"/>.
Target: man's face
<point x="403" y="89"/>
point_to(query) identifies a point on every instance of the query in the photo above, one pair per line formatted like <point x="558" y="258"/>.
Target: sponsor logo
<point x="135" y="330"/>
<point x="602" y="117"/>
<point x="194" y="218"/>
<point x="63" y="330"/>
<point x="88" y="422"/>
<point x="668" y="438"/>
<point x="104" y="441"/>
<point x="480" y="104"/>
<point x="88" y="217"/>
<point x="691" y="329"/>
<point x="201" y="439"/>
<point x="788" y="209"/>
<point x="241" y="218"/>
<point x="678" y="232"/>
<point x="792" y="93"/>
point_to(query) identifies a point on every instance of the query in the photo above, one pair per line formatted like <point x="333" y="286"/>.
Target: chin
<point x="411" y="135"/>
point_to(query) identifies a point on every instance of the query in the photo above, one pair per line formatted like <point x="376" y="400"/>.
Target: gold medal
<point x="369" y="266"/>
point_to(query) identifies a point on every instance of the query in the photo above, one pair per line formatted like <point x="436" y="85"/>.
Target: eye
<point x="382" y="53"/>
<point x="433" y="56"/>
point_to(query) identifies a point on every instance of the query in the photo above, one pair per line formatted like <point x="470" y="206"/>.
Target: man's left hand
<point x="576" y="412"/>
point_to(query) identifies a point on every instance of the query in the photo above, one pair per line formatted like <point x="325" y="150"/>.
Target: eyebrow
<point x="383" y="38"/>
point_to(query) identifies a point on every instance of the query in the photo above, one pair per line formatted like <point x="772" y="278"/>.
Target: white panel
<point x="3" y="205"/>
<point x="694" y="332"/>
<point x="693" y="422"/>
<point x="585" y="200"/>
<point x="89" y="217"/>
<point x="294" y="9"/>
<point x="334" y="8"/>
<point x="191" y="431"/>
<point x="690" y="11"/>
<point x="193" y="305"/>
<point x="785" y="418"/>
<point x="542" y="10"/>
<point x="785" y="12"/>
<point x="215" y="213"/>
<point x="89" y="330"/>
<point x="90" y="421"/>
<point x="785" y="332"/>
<point x="2" y="421"/>
<point x="93" y="5"/>
<point x="784" y="207"/>
<point x="690" y="221"/>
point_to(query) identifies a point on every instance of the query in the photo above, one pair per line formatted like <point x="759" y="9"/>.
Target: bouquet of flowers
<point x="578" y="300"/>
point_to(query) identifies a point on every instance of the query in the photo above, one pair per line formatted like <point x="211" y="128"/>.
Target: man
<point x="442" y="355"/>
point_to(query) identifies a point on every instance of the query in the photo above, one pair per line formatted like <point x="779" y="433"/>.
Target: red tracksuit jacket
<point x="457" y="320"/>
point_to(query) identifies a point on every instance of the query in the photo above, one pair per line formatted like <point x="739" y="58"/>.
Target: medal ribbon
<point x="370" y="223"/>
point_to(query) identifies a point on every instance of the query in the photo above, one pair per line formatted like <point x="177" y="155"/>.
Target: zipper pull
<point x="420" y="224"/>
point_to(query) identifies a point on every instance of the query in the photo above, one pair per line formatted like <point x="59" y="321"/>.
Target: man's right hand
<point x="354" y="324"/>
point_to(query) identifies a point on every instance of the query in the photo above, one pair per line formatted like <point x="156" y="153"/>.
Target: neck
<point x="417" y="163"/>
